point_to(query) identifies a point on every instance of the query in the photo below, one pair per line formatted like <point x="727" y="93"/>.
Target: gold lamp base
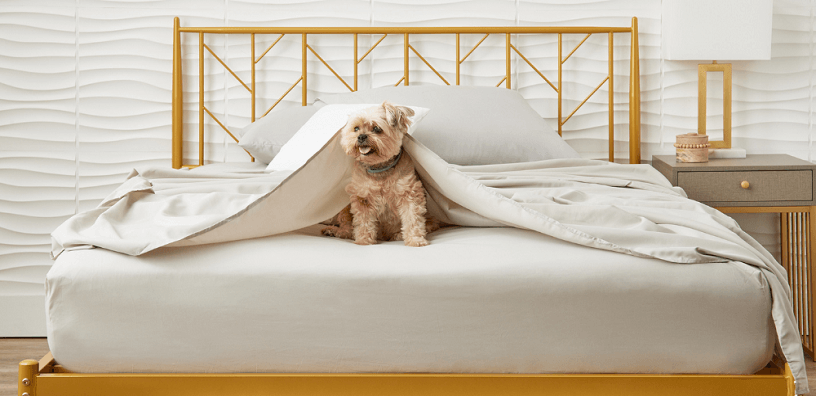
<point x="702" y="77"/>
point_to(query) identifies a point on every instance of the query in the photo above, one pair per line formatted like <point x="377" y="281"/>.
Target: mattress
<point x="499" y="300"/>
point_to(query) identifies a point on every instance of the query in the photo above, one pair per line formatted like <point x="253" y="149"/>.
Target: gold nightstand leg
<point x="809" y="323"/>
<point x="798" y="245"/>
<point x="783" y="232"/>
<point x="797" y="229"/>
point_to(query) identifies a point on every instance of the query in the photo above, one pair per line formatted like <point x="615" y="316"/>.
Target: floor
<point x="14" y="350"/>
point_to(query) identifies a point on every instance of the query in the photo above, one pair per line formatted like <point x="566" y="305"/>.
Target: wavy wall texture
<point x="85" y="93"/>
<point x="37" y="153"/>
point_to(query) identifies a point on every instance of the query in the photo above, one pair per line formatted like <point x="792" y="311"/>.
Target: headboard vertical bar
<point x="356" y="62"/>
<point x="507" y="60"/>
<point x="252" y="44"/>
<point x="634" y="97"/>
<point x="458" y="59"/>
<point x="611" y="100"/>
<point x="405" y="59"/>
<point x="178" y="99"/>
<point x="200" y="98"/>
<point x="560" y="63"/>
<point x="304" y="89"/>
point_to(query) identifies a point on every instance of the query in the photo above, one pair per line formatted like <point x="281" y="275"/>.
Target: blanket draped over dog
<point x="630" y="209"/>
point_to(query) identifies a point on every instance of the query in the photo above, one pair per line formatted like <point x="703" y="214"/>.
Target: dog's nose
<point x="362" y="138"/>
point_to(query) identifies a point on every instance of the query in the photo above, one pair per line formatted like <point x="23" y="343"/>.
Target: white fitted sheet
<point x="476" y="300"/>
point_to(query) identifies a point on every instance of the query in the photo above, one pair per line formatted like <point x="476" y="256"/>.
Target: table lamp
<point x="717" y="30"/>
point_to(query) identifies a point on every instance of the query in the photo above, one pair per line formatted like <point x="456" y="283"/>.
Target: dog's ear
<point x="397" y="115"/>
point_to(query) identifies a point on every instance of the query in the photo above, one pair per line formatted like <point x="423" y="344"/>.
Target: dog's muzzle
<point x="363" y="146"/>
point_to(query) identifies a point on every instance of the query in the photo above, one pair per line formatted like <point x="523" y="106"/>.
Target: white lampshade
<point x="722" y="30"/>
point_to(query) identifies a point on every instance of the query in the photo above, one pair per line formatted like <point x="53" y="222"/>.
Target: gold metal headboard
<point x="634" y="71"/>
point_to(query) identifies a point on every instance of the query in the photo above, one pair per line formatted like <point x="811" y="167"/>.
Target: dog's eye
<point x="377" y="129"/>
<point x="356" y="129"/>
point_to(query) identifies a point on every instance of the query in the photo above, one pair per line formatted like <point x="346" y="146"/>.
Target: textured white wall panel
<point x="444" y="13"/>
<point x="484" y="67"/>
<point x="125" y="75"/>
<point x="587" y="130"/>
<point x="155" y="4"/>
<point x="85" y="89"/>
<point x="37" y="153"/>
<point x="37" y="77"/>
<point x="37" y="194"/>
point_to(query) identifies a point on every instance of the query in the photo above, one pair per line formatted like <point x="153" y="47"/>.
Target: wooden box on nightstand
<point x="773" y="183"/>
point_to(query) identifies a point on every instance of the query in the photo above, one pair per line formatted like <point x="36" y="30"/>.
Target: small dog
<point x="387" y="197"/>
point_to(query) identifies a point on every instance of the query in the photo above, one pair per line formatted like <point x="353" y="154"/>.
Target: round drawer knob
<point x="745" y="184"/>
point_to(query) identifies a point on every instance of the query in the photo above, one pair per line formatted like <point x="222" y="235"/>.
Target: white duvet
<point x="630" y="209"/>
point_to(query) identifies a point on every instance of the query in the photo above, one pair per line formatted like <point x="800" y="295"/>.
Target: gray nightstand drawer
<point x="765" y="186"/>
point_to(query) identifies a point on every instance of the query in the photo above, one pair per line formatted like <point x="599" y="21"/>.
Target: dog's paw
<point x="432" y="225"/>
<point x="416" y="242"/>
<point x="330" y="231"/>
<point x="365" y="241"/>
<point x="337" y="232"/>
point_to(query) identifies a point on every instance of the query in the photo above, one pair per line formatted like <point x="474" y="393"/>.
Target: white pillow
<point x="472" y="125"/>
<point x="264" y="138"/>
<point x="313" y="135"/>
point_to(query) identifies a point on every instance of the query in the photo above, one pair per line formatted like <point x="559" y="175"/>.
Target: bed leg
<point x="788" y="374"/>
<point x="27" y="374"/>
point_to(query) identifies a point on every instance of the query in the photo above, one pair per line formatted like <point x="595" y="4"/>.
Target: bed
<point x="239" y="295"/>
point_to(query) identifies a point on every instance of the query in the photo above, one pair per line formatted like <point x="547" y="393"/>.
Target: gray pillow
<point x="264" y="137"/>
<point x="472" y="125"/>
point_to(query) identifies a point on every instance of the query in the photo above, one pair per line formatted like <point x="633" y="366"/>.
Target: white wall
<point x="85" y="93"/>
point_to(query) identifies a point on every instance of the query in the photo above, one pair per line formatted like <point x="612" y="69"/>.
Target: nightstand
<point x="773" y="183"/>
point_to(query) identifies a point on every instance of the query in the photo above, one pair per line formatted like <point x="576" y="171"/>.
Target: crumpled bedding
<point x="629" y="209"/>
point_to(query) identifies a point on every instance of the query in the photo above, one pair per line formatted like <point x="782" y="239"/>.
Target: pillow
<point x="264" y="138"/>
<point x="314" y="134"/>
<point x="473" y="125"/>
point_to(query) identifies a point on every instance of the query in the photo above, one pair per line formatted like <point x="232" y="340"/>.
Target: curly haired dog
<point x="387" y="198"/>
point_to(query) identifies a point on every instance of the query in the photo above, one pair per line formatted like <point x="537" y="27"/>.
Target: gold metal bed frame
<point x="406" y="32"/>
<point x="47" y="378"/>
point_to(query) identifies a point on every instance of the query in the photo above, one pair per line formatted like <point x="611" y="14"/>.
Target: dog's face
<point x="374" y="135"/>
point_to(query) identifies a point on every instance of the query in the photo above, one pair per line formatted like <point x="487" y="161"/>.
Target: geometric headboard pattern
<point x="510" y="35"/>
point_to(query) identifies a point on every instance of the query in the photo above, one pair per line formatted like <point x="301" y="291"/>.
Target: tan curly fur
<point x="389" y="205"/>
